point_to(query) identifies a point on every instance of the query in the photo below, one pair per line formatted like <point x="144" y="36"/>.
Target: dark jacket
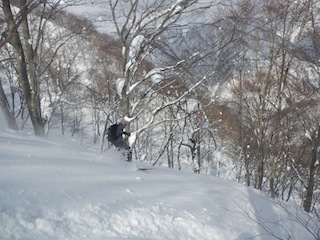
<point x="120" y="142"/>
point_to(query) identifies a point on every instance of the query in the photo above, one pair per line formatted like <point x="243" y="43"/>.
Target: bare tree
<point x="263" y="75"/>
<point x="26" y="57"/>
<point x="139" y="26"/>
<point x="43" y="73"/>
<point x="9" y="34"/>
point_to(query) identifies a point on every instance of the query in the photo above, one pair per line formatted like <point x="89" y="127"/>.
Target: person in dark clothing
<point x="120" y="142"/>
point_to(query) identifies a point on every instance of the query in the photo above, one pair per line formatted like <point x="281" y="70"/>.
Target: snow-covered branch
<point x="156" y="111"/>
<point x="156" y="74"/>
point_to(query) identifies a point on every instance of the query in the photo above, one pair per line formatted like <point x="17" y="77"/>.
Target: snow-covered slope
<point x="55" y="189"/>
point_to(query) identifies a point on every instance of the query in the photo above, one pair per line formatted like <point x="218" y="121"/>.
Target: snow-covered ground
<point x="56" y="189"/>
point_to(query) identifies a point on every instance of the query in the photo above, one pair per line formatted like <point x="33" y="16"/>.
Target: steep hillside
<point x="55" y="189"/>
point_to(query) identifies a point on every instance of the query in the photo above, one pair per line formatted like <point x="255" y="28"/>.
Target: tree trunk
<point x="309" y="192"/>
<point x="8" y="115"/>
<point x="198" y="158"/>
<point x="31" y="93"/>
<point x="261" y="160"/>
<point x="312" y="171"/>
<point x="242" y="135"/>
<point x="272" y="177"/>
<point x="35" y="113"/>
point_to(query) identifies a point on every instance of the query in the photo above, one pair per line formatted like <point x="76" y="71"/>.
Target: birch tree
<point x="139" y="26"/>
<point x="36" y="33"/>
<point x="26" y="59"/>
<point x="9" y="26"/>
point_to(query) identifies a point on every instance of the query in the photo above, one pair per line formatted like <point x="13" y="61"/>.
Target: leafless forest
<point x="235" y="94"/>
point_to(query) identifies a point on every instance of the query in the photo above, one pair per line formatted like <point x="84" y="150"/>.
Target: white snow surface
<point x="54" y="188"/>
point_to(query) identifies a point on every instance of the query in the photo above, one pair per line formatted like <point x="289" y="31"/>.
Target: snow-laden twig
<point x="156" y="111"/>
<point x="162" y="70"/>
